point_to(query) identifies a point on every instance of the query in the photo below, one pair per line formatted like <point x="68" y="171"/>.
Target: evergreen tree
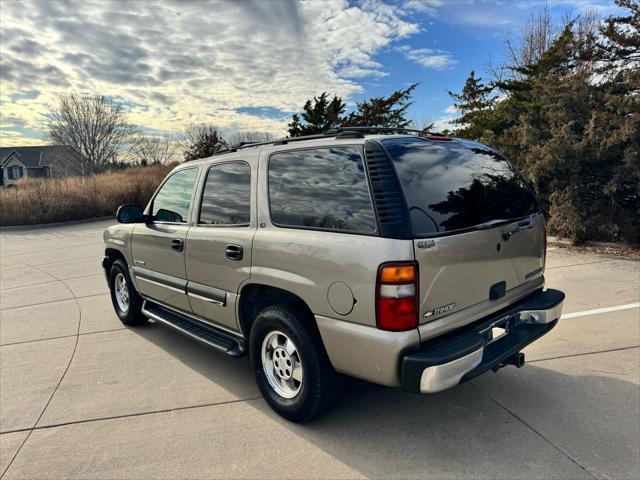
<point x="572" y="128"/>
<point x="614" y="128"/>
<point x="319" y="115"/>
<point x="388" y="111"/>
<point x="477" y="108"/>
<point x="621" y="38"/>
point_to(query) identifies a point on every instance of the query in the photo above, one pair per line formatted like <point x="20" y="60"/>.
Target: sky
<point x="246" y="65"/>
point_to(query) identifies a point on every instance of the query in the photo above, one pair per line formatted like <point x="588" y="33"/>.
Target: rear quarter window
<point x="457" y="185"/>
<point x="320" y="188"/>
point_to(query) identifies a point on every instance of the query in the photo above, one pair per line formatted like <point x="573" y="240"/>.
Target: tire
<point x="303" y="400"/>
<point x="128" y="309"/>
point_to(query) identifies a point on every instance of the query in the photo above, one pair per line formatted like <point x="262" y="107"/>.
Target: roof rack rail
<point x="338" y="132"/>
<point x="279" y="141"/>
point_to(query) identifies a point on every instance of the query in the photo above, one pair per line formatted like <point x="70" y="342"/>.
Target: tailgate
<point x="478" y="231"/>
<point x="459" y="271"/>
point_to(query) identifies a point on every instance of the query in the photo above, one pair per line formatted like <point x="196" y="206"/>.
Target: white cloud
<point x="427" y="6"/>
<point x="178" y="62"/>
<point x="428" y="57"/>
<point x="451" y="109"/>
<point x="445" y="123"/>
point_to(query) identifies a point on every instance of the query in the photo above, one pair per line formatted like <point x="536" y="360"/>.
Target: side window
<point x="226" y="199"/>
<point x="323" y="188"/>
<point x="171" y="204"/>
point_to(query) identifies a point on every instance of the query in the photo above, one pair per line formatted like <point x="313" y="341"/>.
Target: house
<point x="49" y="161"/>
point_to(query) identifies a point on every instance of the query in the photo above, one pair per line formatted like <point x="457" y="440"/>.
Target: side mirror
<point x="129" y="214"/>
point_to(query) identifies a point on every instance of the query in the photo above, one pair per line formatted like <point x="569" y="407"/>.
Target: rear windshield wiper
<point x="491" y="224"/>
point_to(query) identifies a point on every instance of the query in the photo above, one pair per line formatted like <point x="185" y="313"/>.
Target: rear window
<point x="457" y="185"/>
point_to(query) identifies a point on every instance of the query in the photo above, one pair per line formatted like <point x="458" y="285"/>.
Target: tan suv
<point x="399" y="257"/>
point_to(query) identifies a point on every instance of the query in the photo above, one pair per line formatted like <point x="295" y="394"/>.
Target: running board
<point x="201" y="331"/>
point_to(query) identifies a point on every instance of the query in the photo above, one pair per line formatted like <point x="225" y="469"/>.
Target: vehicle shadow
<point x="479" y="429"/>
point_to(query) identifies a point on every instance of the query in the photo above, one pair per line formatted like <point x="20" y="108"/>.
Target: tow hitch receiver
<point x="516" y="360"/>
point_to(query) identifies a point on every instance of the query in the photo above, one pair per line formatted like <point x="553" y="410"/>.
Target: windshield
<point x="457" y="185"/>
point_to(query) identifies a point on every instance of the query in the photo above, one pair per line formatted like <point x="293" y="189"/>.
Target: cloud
<point x="434" y="59"/>
<point x="179" y="62"/>
<point x="423" y="6"/>
<point x="445" y="123"/>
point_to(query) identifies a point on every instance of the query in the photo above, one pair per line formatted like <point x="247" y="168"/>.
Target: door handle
<point x="177" y="244"/>
<point x="234" y="252"/>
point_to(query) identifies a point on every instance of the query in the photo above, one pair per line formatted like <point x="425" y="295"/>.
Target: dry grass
<point x="35" y="201"/>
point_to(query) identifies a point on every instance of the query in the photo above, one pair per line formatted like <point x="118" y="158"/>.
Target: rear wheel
<point x="125" y="299"/>
<point x="291" y="366"/>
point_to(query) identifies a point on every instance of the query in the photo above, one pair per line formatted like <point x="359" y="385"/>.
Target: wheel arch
<point x="111" y="255"/>
<point x="256" y="296"/>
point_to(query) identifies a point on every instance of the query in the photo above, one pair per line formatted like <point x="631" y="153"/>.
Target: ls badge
<point x="426" y="244"/>
<point x="440" y="310"/>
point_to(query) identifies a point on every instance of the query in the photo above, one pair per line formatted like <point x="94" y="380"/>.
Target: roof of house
<point x="35" y="156"/>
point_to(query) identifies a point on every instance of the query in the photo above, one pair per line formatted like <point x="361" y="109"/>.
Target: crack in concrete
<point x="24" y="254"/>
<point x="582" y="354"/>
<point x="62" y="336"/>
<point x="64" y="373"/>
<point x="130" y="415"/>
<point x="97" y="257"/>
<point x="50" y="281"/>
<point x="54" y="301"/>
<point x="534" y="430"/>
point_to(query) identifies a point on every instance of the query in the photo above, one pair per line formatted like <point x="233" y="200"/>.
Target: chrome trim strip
<point x="205" y="299"/>
<point x="160" y="278"/>
<point x="158" y="284"/>
<point x="207" y="293"/>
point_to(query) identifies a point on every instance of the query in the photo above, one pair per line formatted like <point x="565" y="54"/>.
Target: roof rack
<point x="338" y="132"/>
<point x="280" y="141"/>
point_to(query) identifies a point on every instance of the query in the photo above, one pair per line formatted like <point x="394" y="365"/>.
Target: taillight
<point x="397" y="296"/>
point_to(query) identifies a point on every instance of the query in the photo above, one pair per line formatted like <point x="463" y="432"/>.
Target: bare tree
<point x="96" y="126"/>
<point x="424" y="123"/>
<point x="537" y="35"/>
<point x="535" y="38"/>
<point x="200" y="141"/>
<point x="152" y="150"/>
<point x="250" y="137"/>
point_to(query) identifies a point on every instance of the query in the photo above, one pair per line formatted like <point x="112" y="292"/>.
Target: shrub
<point x="37" y="200"/>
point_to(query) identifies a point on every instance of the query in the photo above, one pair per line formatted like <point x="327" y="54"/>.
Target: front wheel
<point x="125" y="299"/>
<point x="291" y="366"/>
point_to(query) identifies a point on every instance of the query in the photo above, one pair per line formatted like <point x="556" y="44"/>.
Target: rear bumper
<point x="465" y="353"/>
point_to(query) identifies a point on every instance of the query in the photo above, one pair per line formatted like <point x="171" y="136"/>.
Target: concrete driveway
<point x="83" y="397"/>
